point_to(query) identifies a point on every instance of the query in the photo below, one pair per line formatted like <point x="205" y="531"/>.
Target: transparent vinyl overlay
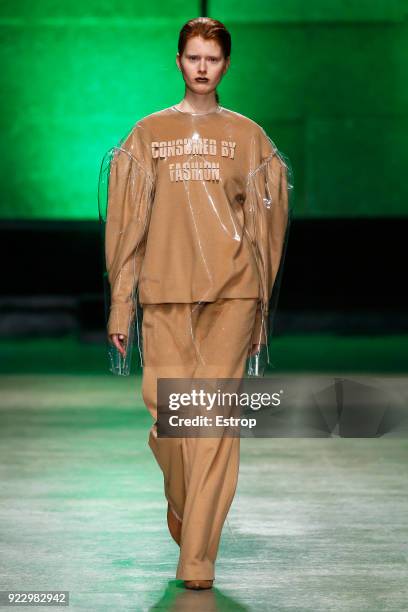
<point x="193" y="208"/>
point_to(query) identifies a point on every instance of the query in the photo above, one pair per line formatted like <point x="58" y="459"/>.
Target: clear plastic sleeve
<point x="125" y="196"/>
<point x="270" y="202"/>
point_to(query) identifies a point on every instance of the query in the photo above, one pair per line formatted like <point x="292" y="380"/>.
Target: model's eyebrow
<point x="198" y="55"/>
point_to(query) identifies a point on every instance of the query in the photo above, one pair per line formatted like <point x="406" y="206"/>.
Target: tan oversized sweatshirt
<point x="197" y="210"/>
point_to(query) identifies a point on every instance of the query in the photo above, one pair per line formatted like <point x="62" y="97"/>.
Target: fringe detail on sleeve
<point x="268" y="217"/>
<point x="125" y="196"/>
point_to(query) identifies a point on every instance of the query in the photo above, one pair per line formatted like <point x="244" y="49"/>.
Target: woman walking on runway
<point x="197" y="216"/>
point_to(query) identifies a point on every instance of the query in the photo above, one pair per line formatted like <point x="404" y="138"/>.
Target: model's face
<point x="202" y="59"/>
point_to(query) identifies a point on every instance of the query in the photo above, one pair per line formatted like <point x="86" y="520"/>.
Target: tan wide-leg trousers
<point x="198" y="340"/>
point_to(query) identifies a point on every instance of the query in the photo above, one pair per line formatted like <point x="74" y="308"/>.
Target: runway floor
<point x="316" y="524"/>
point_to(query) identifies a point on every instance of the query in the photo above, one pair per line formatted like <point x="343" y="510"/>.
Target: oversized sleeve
<point x="126" y="187"/>
<point x="268" y="210"/>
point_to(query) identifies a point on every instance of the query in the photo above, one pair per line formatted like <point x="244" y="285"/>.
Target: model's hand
<point x="119" y="340"/>
<point x="255" y="349"/>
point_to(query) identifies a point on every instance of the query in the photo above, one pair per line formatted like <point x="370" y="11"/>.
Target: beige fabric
<point x="200" y="474"/>
<point x="197" y="211"/>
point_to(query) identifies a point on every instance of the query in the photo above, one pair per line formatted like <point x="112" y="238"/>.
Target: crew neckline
<point x="213" y="112"/>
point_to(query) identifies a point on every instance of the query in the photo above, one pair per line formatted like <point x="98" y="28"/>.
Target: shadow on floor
<point x="177" y="598"/>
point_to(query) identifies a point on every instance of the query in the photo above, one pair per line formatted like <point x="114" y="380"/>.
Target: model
<point x="195" y="232"/>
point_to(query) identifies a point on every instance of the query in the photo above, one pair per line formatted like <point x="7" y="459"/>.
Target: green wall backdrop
<point x="326" y="79"/>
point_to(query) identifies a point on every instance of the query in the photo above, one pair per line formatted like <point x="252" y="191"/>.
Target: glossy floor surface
<point x="316" y="524"/>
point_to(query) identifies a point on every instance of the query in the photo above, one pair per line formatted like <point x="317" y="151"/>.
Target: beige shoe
<point x="198" y="584"/>
<point x="174" y="525"/>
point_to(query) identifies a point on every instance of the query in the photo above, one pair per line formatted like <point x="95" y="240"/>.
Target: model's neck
<point x="197" y="104"/>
